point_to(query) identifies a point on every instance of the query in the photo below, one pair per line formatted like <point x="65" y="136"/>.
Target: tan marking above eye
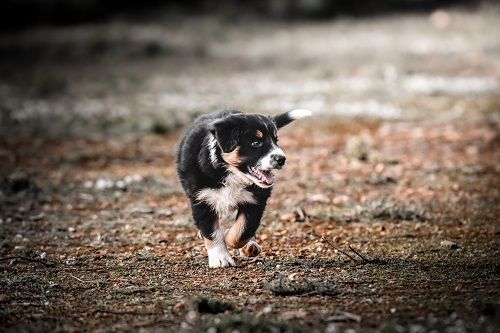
<point x="259" y="134"/>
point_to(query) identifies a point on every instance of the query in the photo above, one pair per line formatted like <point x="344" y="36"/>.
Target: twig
<point x="45" y="263"/>
<point x="309" y="293"/>
<point x="154" y="322"/>
<point x="420" y="252"/>
<point x="359" y="255"/>
<point x="83" y="281"/>
<point x="344" y="253"/>
<point x="134" y="313"/>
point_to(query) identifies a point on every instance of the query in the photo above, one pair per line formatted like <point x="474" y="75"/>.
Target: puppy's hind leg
<point x="251" y="249"/>
<point x="242" y="233"/>
<point x="207" y="222"/>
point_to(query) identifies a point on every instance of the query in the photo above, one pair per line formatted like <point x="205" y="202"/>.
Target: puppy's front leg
<point x="242" y="233"/>
<point x="207" y="222"/>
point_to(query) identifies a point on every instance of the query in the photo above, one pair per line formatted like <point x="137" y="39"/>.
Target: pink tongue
<point x="269" y="178"/>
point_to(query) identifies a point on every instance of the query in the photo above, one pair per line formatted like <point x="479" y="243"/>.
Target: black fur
<point x="199" y="168"/>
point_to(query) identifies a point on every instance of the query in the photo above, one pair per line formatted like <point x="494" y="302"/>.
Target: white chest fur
<point x="225" y="199"/>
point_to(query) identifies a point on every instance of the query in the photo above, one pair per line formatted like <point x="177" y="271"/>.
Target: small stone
<point x="121" y="184"/>
<point x="288" y="217"/>
<point x="332" y="328"/>
<point x="356" y="148"/>
<point x="449" y="244"/>
<point x="415" y="328"/>
<point x="440" y="19"/>
<point x="319" y="198"/>
<point x="102" y="184"/>
<point x="191" y="316"/>
<point x="267" y="309"/>
<point x="164" y="212"/>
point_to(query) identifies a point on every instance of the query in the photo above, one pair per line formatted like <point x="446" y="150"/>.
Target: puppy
<point x="225" y="162"/>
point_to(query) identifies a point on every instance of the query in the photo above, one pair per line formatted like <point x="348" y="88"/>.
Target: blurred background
<point x="89" y="67"/>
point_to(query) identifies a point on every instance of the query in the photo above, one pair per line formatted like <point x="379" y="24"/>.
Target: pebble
<point x="332" y="328"/>
<point x="103" y="183"/>
<point x="191" y="316"/>
<point x="449" y="244"/>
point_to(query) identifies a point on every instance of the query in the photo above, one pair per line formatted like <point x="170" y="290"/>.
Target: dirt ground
<point x="385" y="219"/>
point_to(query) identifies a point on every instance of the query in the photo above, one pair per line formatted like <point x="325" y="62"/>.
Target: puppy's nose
<point x="279" y="159"/>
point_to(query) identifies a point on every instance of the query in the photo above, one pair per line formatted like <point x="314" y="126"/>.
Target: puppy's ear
<point x="287" y="117"/>
<point x="227" y="132"/>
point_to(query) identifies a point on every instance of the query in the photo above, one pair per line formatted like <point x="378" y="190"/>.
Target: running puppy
<point x="224" y="164"/>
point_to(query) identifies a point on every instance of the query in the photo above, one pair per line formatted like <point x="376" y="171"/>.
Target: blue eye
<point x="257" y="143"/>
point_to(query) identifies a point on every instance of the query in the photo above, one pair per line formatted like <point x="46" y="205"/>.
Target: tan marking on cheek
<point x="233" y="235"/>
<point x="259" y="134"/>
<point x="233" y="158"/>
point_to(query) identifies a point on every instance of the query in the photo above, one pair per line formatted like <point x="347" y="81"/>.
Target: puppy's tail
<point x="287" y="117"/>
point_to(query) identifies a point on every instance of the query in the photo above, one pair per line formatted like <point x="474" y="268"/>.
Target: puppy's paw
<point x="251" y="249"/>
<point x="219" y="257"/>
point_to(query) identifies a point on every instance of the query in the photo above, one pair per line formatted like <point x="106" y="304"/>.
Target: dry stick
<point x="132" y="313"/>
<point x="357" y="253"/>
<point x="419" y="252"/>
<point x="83" y="281"/>
<point x="45" y="263"/>
<point x="344" y="253"/>
<point x="154" y="322"/>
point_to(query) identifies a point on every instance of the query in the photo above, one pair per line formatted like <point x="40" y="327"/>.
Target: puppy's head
<point x="249" y="144"/>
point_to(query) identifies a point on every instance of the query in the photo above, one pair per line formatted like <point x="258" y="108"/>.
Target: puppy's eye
<point x="257" y="143"/>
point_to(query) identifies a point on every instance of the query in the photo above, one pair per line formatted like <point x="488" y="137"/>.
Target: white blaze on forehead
<point x="299" y="113"/>
<point x="266" y="161"/>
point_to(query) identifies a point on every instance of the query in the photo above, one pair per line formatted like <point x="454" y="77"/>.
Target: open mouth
<point x="265" y="177"/>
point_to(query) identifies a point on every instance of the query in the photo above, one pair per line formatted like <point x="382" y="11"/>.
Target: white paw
<point x="218" y="256"/>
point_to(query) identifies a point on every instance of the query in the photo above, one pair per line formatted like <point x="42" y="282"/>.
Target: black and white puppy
<point x="225" y="162"/>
